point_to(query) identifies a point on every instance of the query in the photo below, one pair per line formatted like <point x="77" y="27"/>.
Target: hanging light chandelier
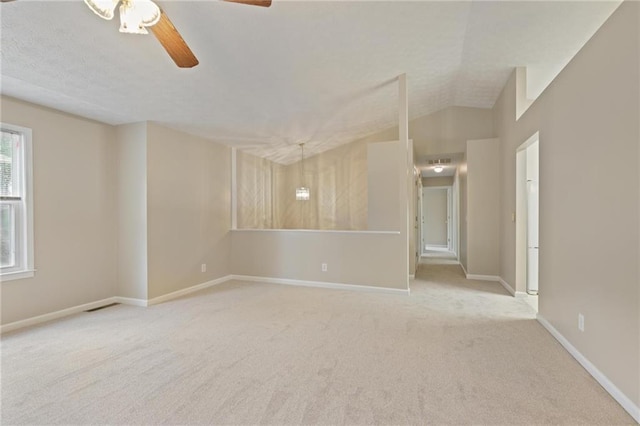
<point x="302" y="192"/>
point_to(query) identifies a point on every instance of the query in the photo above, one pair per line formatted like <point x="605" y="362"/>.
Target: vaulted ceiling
<point x="305" y="71"/>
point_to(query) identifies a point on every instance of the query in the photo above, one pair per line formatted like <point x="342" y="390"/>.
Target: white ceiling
<point x="315" y="72"/>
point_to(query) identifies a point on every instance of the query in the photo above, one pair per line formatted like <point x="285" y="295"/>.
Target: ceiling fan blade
<point x="173" y="42"/>
<point x="263" y="3"/>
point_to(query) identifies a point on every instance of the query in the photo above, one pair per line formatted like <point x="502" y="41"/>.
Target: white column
<point x="405" y="178"/>
<point x="403" y="110"/>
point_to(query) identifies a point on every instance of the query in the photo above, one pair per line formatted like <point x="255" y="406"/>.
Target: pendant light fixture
<point x="440" y="164"/>
<point x="302" y="192"/>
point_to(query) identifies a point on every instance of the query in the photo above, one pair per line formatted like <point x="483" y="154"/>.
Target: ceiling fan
<point x="138" y="15"/>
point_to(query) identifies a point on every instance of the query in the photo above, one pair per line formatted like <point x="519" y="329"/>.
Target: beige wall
<point x="483" y="207"/>
<point x="131" y="207"/>
<point x="447" y="131"/>
<point x="359" y="258"/>
<point x="129" y="211"/>
<point x="337" y="180"/>
<point x="383" y="175"/>
<point x="589" y="210"/>
<point x="74" y="213"/>
<point x="443" y="132"/>
<point x="188" y="210"/>
<point x="260" y="192"/>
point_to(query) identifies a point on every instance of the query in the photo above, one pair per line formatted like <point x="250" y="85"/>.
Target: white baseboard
<point x="463" y="269"/>
<point x="322" y="284"/>
<point x="496" y="278"/>
<point x="56" y="315"/>
<point x="131" y="301"/>
<point x="187" y="290"/>
<point x="99" y="303"/>
<point x="507" y="286"/>
<point x="437" y="248"/>
<point x="483" y="277"/>
<point x="613" y="390"/>
<point x="143" y="303"/>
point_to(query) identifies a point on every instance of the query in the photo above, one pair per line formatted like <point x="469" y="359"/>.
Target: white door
<point x="435" y="232"/>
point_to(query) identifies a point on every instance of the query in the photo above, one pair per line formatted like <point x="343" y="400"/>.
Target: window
<point x="16" y="207"/>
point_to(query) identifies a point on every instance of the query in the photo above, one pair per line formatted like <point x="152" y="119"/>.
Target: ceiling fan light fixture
<point x="103" y="8"/>
<point x="135" y="15"/>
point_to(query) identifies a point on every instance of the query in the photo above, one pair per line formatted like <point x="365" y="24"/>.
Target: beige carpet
<point x="435" y="257"/>
<point x="454" y="352"/>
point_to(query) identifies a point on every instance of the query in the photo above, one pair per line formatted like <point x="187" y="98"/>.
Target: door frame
<point x="520" y="216"/>
<point x="450" y="221"/>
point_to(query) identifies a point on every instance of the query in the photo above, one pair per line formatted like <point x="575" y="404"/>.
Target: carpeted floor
<point x="454" y="352"/>
<point x="436" y="257"/>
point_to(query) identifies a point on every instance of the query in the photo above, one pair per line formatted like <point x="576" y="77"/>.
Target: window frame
<point x="23" y="211"/>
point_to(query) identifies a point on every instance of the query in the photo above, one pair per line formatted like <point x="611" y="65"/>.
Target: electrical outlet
<point x="580" y="322"/>
<point x="324" y="267"/>
<point x="203" y="267"/>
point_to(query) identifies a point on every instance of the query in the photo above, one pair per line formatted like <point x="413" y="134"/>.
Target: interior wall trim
<point x="184" y="291"/>
<point x="173" y="295"/>
<point x="604" y="381"/>
<point x="496" y="278"/>
<point x="334" y="231"/>
<point x="464" y="270"/>
<point x="483" y="277"/>
<point x="322" y="284"/>
<point x="507" y="286"/>
<point x="108" y="301"/>
<point x="131" y="301"/>
<point x="56" y="315"/>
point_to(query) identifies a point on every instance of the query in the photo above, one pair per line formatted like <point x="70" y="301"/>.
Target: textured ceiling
<point x="269" y="78"/>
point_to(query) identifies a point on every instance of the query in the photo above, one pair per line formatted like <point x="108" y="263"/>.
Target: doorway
<point x="527" y="216"/>
<point x="436" y="219"/>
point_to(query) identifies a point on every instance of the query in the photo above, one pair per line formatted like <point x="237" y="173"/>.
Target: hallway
<point x="438" y="257"/>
